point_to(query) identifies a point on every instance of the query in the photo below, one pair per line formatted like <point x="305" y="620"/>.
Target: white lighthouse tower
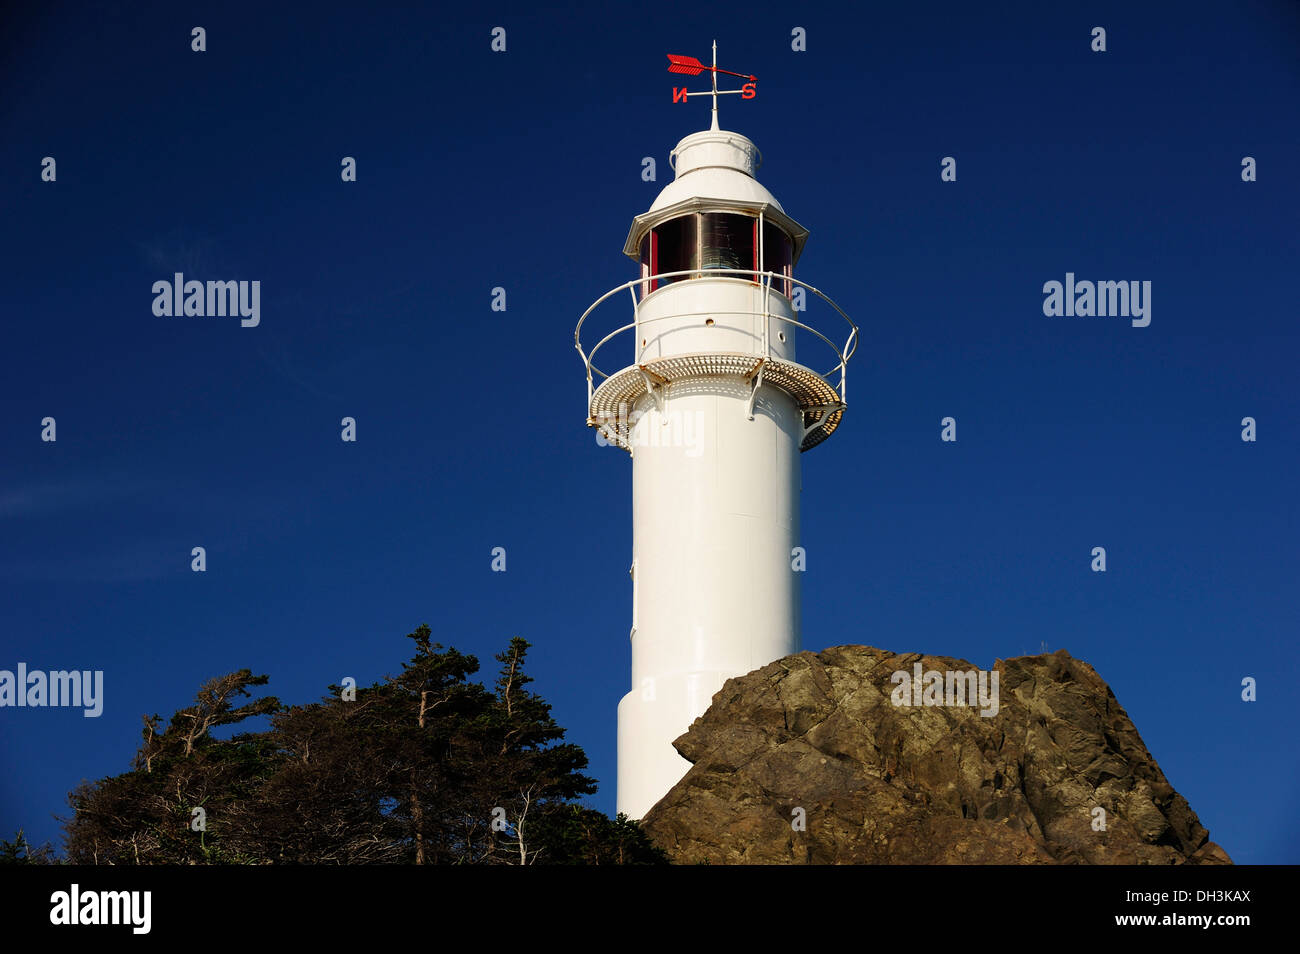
<point x="715" y="408"/>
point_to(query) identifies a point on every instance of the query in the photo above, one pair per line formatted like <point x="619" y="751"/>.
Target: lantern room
<point x="715" y="244"/>
<point x="716" y="255"/>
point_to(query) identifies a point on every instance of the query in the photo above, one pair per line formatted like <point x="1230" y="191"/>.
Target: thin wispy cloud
<point x="38" y="500"/>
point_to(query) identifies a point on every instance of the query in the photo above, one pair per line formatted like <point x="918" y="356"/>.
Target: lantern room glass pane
<point x="777" y="250"/>
<point x="727" y="241"/>
<point x="678" y="248"/>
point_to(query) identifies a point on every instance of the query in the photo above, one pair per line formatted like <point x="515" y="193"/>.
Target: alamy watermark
<point x="947" y="688"/>
<point x="36" y="689"/>
<point x="211" y="300"/>
<point x="1087" y="299"/>
<point x="673" y="429"/>
<point x="77" y="907"/>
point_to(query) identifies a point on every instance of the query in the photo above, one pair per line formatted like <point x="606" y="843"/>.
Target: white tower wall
<point x="715" y="516"/>
<point x="709" y="315"/>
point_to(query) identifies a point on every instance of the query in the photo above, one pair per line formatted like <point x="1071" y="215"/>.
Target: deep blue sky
<point x="522" y="170"/>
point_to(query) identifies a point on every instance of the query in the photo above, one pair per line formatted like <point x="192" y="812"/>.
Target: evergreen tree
<point x="21" y="852"/>
<point x="425" y="767"/>
<point x="577" y="835"/>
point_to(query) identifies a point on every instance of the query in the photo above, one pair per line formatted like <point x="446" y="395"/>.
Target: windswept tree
<point x="175" y="806"/>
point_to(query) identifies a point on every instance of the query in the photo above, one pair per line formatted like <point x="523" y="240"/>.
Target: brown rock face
<point x="880" y="783"/>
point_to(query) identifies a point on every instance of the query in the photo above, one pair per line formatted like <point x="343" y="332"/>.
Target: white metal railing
<point x="843" y="354"/>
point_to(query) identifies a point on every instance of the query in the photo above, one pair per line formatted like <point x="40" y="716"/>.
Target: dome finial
<point x="715" y="85"/>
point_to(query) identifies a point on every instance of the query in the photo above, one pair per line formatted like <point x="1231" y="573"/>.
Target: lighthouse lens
<point x="727" y="242"/>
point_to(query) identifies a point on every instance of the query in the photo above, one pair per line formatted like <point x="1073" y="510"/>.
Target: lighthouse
<point x="703" y="386"/>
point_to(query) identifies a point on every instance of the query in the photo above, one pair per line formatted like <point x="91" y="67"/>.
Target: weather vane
<point x="693" y="67"/>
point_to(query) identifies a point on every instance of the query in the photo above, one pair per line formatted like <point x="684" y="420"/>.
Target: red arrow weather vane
<point x="693" y="67"/>
<point x="690" y="66"/>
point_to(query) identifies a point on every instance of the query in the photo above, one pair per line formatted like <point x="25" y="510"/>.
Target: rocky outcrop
<point x="831" y="743"/>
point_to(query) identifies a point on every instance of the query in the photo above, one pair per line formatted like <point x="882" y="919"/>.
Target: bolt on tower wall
<point x="715" y="410"/>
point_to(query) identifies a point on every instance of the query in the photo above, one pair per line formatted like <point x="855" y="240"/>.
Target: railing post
<point x="636" y="326"/>
<point x="767" y="314"/>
